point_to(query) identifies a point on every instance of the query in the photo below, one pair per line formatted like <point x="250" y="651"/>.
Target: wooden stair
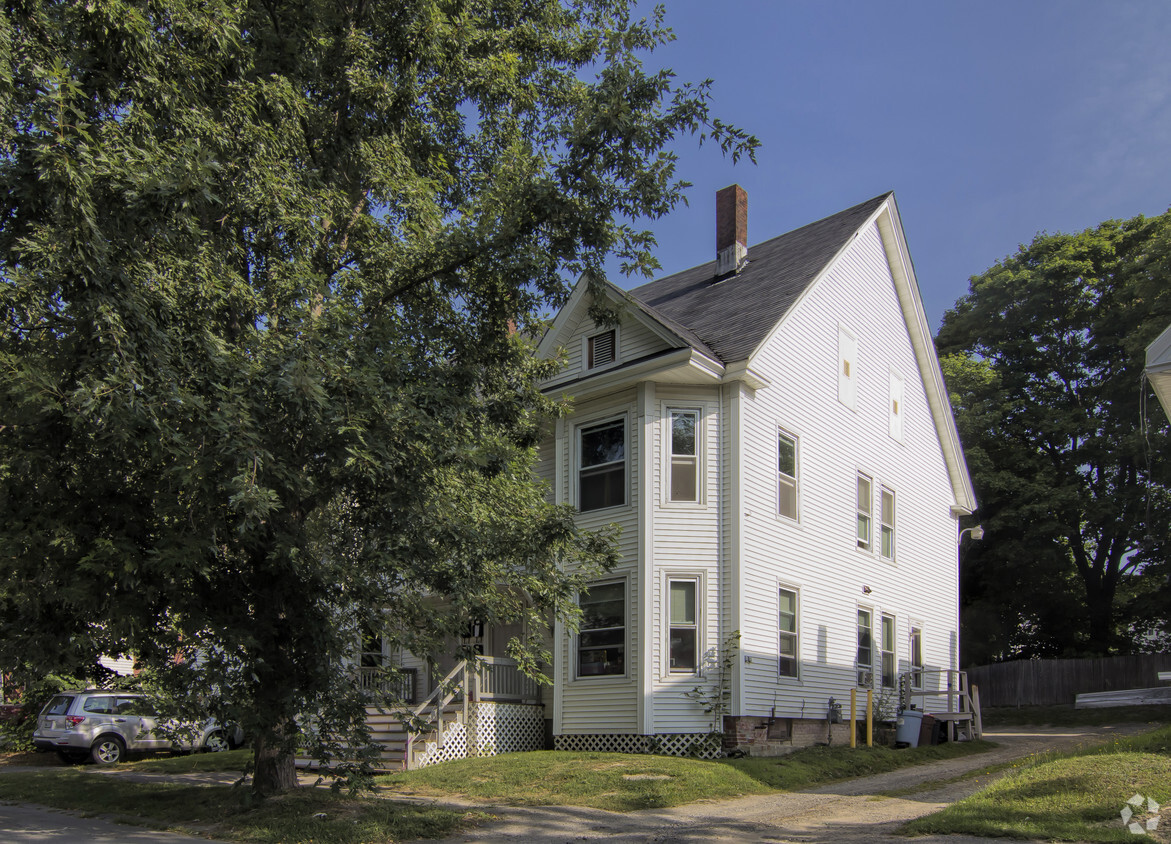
<point x="387" y="731"/>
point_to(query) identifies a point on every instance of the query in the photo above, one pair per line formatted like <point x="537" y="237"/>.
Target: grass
<point x="1067" y="716"/>
<point x="231" y="761"/>
<point x="223" y="812"/>
<point x="1073" y="796"/>
<point x="622" y="782"/>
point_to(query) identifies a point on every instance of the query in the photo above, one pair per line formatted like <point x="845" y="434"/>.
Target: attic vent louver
<point x="731" y="230"/>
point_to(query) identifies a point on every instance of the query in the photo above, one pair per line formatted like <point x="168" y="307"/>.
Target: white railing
<point x="420" y="723"/>
<point x="399" y="683"/>
<point x="502" y="680"/>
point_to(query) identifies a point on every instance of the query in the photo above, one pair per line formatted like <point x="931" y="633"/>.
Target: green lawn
<point x="1064" y="797"/>
<point x="306" y="815"/>
<point x="626" y="782"/>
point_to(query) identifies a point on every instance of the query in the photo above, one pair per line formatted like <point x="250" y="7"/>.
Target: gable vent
<point x="601" y="349"/>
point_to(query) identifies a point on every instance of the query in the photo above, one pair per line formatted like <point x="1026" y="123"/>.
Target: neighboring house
<point x="1159" y="368"/>
<point x="772" y="433"/>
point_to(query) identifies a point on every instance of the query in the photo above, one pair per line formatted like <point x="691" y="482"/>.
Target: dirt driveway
<point x="852" y="812"/>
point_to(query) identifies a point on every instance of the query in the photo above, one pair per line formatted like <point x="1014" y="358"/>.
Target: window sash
<point x="888" y="651"/>
<point x="864" y="506"/>
<point x="684" y="483"/>
<point x="788" y="634"/>
<point x="683" y="630"/>
<point x="888" y="523"/>
<point x="865" y="658"/>
<point x="601" y="474"/>
<point x="916" y="647"/>
<point x="786" y="475"/>
<point x="601" y="638"/>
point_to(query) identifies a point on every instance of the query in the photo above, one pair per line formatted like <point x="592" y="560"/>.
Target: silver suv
<point x="105" y="726"/>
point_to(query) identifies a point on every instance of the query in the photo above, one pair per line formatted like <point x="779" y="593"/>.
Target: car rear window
<point x="59" y="705"/>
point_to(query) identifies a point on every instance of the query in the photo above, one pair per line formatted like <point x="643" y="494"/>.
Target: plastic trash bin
<point x="908" y="725"/>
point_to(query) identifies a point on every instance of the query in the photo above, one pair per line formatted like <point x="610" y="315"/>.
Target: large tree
<point x="1044" y="359"/>
<point x="258" y="383"/>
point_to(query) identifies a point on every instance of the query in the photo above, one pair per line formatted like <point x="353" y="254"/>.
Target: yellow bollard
<point x="869" y="718"/>
<point x="853" y="716"/>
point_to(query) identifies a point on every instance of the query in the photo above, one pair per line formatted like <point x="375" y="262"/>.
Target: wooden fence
<point x="1046" y="682"/>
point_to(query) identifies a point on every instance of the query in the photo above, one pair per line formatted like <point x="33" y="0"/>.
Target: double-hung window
<point x="683" y="631"/>
<point x="864" y="662"/>
<point x="684" y="455"/>
<point x="864" y="507"/>
<point x="786" y="475"/>
<point x="916" y="647"/>
<point x="887" y="515"/>
<point x="888" y="651"/>
<point x="787" y="651"/>
<point x="601" y="473"/>
<point x="601" y="639"/>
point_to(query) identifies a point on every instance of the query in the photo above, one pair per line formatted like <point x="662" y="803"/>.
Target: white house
<point x="772" y="432"/>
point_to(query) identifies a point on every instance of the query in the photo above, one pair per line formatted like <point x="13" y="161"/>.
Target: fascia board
<point x="902" y="269"/>
<point x="625" y="376"/>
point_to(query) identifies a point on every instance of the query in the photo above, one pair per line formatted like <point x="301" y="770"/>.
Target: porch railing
<point x="398" y="683"/>
<point x="947" y="695"/>
<point x="502" y="680"/>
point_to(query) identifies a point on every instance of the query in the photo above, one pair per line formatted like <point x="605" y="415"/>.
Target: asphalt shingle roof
<point x="732" y="317"/>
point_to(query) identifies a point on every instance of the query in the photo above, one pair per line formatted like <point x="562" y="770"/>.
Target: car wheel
<point x="217" y="742"/>
<point x="108" y="750"/>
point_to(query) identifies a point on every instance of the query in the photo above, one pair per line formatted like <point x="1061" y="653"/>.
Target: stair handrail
<point x="446" y="685"/>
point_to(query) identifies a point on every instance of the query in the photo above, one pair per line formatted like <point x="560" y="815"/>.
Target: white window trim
<point x="575" y="481"/>
<point x="796" y="478"/>
<point x="796" y="590"/>
<point x="699" y="578"/>
<point x="700" y="473"/>
<point x="585" y="348"/>
<point x="575" y="642"/>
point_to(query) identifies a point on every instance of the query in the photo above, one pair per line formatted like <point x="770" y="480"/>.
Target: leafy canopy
<point x="257" y="383"/>
<point x="1044" y="358"/>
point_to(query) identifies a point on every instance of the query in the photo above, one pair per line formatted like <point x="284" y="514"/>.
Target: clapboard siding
<point x="602" y="704"/>
<point x="685" y="542"/>
<point x="818" y="554"/>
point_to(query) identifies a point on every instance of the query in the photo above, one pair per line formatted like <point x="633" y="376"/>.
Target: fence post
<point x="853" y="718"/>
<point x="870" y="717"/>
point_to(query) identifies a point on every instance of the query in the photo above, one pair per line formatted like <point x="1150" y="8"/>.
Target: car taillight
<point x="74" y="720"/>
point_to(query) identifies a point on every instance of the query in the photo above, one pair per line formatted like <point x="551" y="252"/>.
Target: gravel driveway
<point x="852" y="811"/>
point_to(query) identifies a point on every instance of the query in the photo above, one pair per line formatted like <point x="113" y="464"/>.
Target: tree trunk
<point x="1100" y="606"/>
<point x="276" y="769"/>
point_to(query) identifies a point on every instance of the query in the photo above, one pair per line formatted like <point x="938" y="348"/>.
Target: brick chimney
<point x="731" y="230"/>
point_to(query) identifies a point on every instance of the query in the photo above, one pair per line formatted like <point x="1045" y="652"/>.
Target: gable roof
<point x="733" y="316"/>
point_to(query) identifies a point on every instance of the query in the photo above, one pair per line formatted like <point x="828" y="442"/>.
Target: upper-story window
<point x="601" y="349"/>
<point x="684" y="464"/>
<point x="786" y="475"/>
<point x="864" y="508"/>
<point x="887" y="514"/>
<point x="601" y="476"/>
<point x="847" y="367"/>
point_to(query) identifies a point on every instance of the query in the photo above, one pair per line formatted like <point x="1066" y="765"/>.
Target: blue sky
<point x="992" y="121"/>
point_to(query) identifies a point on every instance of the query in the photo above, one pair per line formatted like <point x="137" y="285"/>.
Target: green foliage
<point x="719" y="666"/>
<point x="258" y="389"/>
<point x="1044" y="361"/>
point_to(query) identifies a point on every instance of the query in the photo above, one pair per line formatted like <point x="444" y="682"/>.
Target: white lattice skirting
<point x="494" y="728"/>
<point x="699" y="745"/>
